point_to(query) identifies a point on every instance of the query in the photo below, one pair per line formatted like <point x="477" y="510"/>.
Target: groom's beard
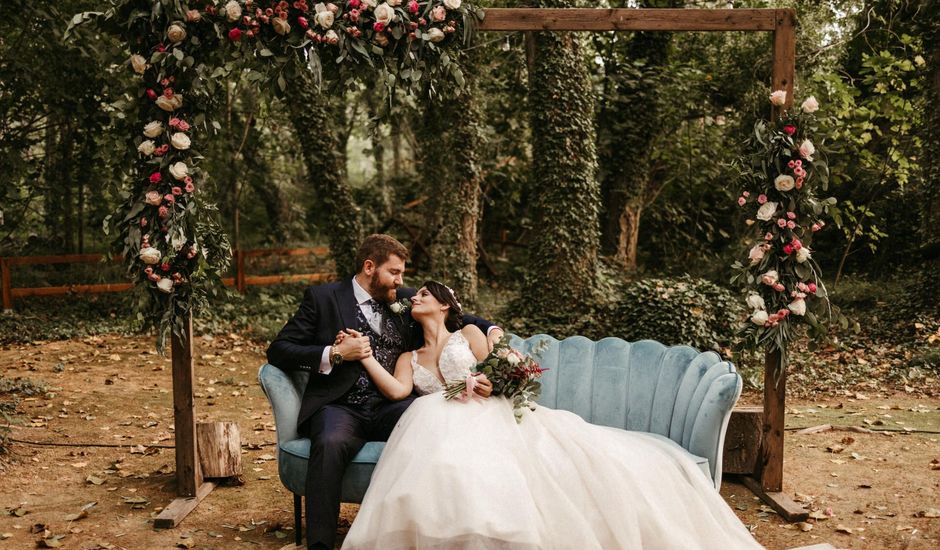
<point x="383" y="293"/>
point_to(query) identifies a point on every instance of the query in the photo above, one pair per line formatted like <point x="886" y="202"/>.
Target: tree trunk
<point x="316" y="120"/>
<point x="931" y="162"/>
<point x="629" y="234"/>
<point x="565" y="196"/>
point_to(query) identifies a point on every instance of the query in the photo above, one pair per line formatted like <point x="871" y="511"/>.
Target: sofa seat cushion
<point x="369" y="454"/>
<point x="700" y="461"/>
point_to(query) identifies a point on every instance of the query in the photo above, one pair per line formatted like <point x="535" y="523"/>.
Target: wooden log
<point x="219" y="449"/>
<point x="240" y="271"/>
<point x="789" y="510"/>
<point x="814" y="429"/>
<point x="174" y="513"/>
<point x="188" y="476"/>
<point x="626" y="19"/>
<point x="770" y="465"/>
<point x="742" y="441"/>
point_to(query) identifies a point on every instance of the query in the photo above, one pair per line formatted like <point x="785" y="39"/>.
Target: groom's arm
<point x="493" y="333"/>
<point x="295" y="346"/>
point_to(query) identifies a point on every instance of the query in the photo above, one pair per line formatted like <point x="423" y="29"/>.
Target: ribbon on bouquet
<point x="468" y="394"/>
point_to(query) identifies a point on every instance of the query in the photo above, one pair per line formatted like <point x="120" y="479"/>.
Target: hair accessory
<point x="454" y="296"/>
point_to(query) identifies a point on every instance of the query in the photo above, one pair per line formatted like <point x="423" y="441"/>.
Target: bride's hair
<point x="445" y="295"/>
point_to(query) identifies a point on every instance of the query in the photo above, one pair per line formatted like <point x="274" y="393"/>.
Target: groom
<point x="341" y="407"/>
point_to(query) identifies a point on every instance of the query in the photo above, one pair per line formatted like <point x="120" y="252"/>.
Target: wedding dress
<point x="466" y="475"/>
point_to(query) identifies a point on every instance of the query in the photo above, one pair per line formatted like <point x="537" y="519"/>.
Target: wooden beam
<point x="173" y="514"/>
<point x="5" y="285"/>
<point x="784" y="67"/>
<point x="788" y="509"/>
<point x="623" y="19"/>
<point x="69" y="289"/>
<point x="188" y="476"/>
<point x="770" y="465"/>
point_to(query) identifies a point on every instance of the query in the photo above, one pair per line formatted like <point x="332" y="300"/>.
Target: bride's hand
<point x="494" y="336"/>
<point x="483" y="387"/>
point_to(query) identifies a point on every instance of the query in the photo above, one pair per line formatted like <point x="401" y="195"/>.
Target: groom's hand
<point x="484" y="387"/>
<point x="494" y="336"/>
<point x="354" y="346"/>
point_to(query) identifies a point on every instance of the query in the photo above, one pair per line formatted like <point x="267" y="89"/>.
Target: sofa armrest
<point x="284" y="397"/>
<point x="705" y="432"/>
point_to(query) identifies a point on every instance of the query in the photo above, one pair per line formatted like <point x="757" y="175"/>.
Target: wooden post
<point x="240" y="271"/>
<point x="784" y="68"/>
<point x="5" y="284"/>
<point x="187" y="464"/>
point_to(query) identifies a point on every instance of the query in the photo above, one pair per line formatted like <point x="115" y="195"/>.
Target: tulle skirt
<point x="468" y="476"/>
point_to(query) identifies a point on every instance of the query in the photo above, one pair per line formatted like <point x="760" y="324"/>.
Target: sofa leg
<point x="298" y="520"/>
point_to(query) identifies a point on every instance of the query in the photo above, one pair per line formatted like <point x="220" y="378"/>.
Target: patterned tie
<point x="375" y="319"/>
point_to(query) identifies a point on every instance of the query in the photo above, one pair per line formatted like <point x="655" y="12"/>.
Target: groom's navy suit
<point x="341" y="410"/>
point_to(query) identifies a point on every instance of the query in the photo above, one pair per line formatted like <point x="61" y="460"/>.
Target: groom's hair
<point x="378" y="247"/>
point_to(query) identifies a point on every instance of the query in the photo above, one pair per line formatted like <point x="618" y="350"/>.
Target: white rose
<point x="759" y="317"/>
<point x="179" y="170"/>
<point x="384" y="14"/>
<point x="170" y="104"/>
<point x="798" y="306"/>
<point x="331" y="37"/>
<point x="150" y="255"/>
<point x="233" y="11"/>
<point x="325" y="18"/>
<point x="756" y="254"/>
<point x="452" y="4"/>
<point x="395" y="307"/>
<point x="802" y="255"/>
<point x="810" y="105"/>
<point x="754" y="301"/>
<point x="766" y="211"/>
<point x="784" y="183"/>
<point x="138" y="63"/>
<point x="807" y="149"/>
<point x="282" y="27"/>
<point x="193" y="16"/>
<point x="368" y="4"/>
<point x="180" y="141"/>
<point x="153" y="198"/>
<point x="153" y="129"/>
<point x="176" y="33"/>
<point x="165" y="284"/>
<point x="394" y="3"/>
<point x="146" y="147"/>
<point x="778" y="98"/>
<point x="513" y="359"/>
<point x="770" y="278"/>
<point x="434" y="34"/>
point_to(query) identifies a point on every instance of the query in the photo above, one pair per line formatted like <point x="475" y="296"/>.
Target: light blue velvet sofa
<point x="679" y="395"/>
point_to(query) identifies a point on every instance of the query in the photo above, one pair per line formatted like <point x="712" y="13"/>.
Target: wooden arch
<point x="767" y="481"/>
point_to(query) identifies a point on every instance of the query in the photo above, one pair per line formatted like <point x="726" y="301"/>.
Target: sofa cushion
<point x="369" y="454"/>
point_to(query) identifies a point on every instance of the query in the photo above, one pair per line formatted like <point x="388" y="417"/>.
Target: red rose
<point x="354" y="4"/>
<point x="788" y="249"/>
<point x="235" y="35"/>
<point x="151" y="94"/>
<point x="155" y="177"/>
<point x="302" y="21"/>
<point x="789" y="129"/>
<point x="165" y="266"/>
<point x="378" y="27"/>
<point x="811" y="287"/>
<point x="413" y="6"/>
<point x="168" y="93"/>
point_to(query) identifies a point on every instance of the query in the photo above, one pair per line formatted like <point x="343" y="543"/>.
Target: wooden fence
<point x="241" y="280"/>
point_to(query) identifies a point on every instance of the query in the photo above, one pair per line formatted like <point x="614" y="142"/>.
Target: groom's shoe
<point x="318" y="546"/>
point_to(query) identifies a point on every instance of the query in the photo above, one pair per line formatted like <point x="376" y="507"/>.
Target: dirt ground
<point x="108" y="410"/>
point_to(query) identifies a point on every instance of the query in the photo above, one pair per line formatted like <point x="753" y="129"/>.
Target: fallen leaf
<point x="94" y="480"/>
<point x="928" y="513"/>
<point x="818" y="515"/>
<point x="805" y="526"/>
<point x="843" y="529"/>
<point x="188" y="543"/>
<point x="5" y="536"/>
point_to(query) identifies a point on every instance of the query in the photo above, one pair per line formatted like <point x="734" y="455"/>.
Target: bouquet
<point x="514" y="376"/>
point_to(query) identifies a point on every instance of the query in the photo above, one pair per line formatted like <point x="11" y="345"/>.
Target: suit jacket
<point x="326" y="310"/>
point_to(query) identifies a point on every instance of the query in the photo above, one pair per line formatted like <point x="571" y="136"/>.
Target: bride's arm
<point x="477" y="341"/>
<point x="395" y="387"/>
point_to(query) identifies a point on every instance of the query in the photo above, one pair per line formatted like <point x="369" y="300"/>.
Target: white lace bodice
<point x="455" y="363"/>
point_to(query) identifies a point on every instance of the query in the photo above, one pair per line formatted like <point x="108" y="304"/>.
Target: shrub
<point x="681" y="310"/>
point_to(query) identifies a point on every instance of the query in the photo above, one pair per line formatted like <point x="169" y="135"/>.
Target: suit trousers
<point x="337" y="433"/>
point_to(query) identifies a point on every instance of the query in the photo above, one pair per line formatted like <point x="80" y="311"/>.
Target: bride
<point x="468" y="476"/>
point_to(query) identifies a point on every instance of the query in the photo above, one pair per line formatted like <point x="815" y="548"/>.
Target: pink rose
<point x="769" y="236"/>
<point x="413" y="6"/>
<point x="164" y="212"/>
<point x="781" y="223"/>
<point x="165" y="266"/>
<point x="791" y="215"/>
<point x="742" y="201"/>
<point x="176" y="190"/>
<point x="438" y="14"/>
<point x="811" y="287"/>
<point x="791" y="224"/>
<point x="796" y="244"/>
<point x="761" y="199"/>
<point x="161" y="150"/>
<point x="143" y="222"/>
<point x="153" y="198"/>
<point x="746" y="194"/>
<point x="779" y="287"/>
<point x="190" y="187"/>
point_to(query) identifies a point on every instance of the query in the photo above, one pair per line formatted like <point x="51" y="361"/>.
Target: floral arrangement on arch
<point x="173" y="246"/>
<point x="782" y="281"/>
